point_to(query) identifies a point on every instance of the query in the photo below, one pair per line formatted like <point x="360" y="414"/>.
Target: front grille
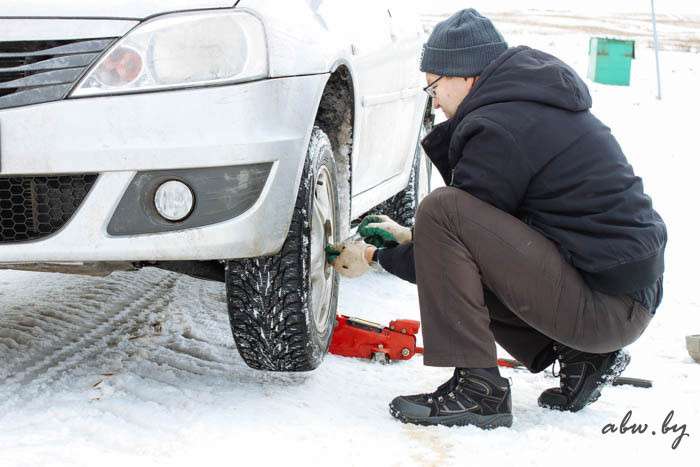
<point x="32" y="72"/>
<point x="34" y="207"/>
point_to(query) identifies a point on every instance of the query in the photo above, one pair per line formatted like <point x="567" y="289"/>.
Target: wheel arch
<point x="336" y="116"/>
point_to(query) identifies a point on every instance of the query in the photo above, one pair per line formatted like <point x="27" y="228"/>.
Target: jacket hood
<point x="526" y="74"/>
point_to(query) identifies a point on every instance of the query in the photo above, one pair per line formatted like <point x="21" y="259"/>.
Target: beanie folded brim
<point x="469" y="61"/>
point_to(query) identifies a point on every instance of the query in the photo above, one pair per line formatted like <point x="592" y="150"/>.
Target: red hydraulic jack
<point x="355" y="337"/>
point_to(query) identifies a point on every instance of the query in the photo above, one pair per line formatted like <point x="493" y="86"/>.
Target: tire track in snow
<point x="202" y="346"/>
<point x="87" y="345"/>
<point x="114" y="319"/>
<point x="168" y="350"/>
<point x="197" y="355"/>
<point x="71" y="319"/>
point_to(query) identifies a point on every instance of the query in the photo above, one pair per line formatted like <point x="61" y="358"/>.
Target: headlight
<point x="181" y="50"/>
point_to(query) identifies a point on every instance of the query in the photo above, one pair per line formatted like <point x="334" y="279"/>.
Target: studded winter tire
<point x="282" y="307"/>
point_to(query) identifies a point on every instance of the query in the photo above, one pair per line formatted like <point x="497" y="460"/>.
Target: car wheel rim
<point x="322" y="234"/>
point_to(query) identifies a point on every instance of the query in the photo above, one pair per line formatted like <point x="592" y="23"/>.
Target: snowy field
<point x="140" y="369"/>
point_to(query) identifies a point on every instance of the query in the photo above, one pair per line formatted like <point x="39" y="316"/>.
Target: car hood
<point x="132" y="9"/>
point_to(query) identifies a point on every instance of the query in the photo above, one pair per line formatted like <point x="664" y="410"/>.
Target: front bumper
<point x="267" y="121"/>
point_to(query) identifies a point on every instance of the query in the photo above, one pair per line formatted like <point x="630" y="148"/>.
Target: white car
<point x="227" y="140"/>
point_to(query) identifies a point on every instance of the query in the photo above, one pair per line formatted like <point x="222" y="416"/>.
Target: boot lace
<point x="561" y="374"/>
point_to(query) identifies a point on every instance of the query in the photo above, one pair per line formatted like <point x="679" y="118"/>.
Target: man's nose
<point x="436" y="104"/>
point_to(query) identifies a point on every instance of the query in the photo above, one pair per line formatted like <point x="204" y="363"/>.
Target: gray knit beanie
<point x="462" y="45"/>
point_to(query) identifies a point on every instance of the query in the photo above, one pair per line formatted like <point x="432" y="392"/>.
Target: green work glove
<point x="331" y="254"/>
<point x="382" y="232"/>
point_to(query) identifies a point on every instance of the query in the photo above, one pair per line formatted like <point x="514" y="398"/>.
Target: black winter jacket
<point x="525" y="141"/>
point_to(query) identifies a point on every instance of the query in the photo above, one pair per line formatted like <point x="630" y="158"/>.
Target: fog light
<point x="174" y="200"/>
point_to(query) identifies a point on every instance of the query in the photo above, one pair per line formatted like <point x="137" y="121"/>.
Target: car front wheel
<point x="282" y="307"/>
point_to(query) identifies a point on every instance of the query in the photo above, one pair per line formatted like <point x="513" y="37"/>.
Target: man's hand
<point x="350" y="259"/>
<point x="383" y="232"/>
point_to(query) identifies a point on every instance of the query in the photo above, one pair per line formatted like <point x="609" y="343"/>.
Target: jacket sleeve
<point x="491" y="165"/>
<point x="399" y="261"/>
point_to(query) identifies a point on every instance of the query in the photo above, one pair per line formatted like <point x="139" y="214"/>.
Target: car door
<point x="390" y="105"/>
<point x="408" y="37"/>
<point x="380" y="55"/>
<point x="376" y="69"/>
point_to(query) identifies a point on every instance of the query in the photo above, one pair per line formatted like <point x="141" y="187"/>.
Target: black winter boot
<point x="470" y="397"/>
<point x="582" y="376"/>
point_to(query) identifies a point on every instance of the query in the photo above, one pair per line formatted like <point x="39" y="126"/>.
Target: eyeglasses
<point x="430" y="89"/>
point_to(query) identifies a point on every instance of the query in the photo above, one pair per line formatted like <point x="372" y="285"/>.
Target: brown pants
<point x="484" y="276"/>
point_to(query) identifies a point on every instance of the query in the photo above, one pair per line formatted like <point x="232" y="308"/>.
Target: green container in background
<point x="610" y="60"/>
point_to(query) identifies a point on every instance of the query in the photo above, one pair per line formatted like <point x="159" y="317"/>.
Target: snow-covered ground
<point x="141" y="368"/>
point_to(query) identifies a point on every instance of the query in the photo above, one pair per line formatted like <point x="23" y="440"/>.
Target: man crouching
<point x="543" y="241"/>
